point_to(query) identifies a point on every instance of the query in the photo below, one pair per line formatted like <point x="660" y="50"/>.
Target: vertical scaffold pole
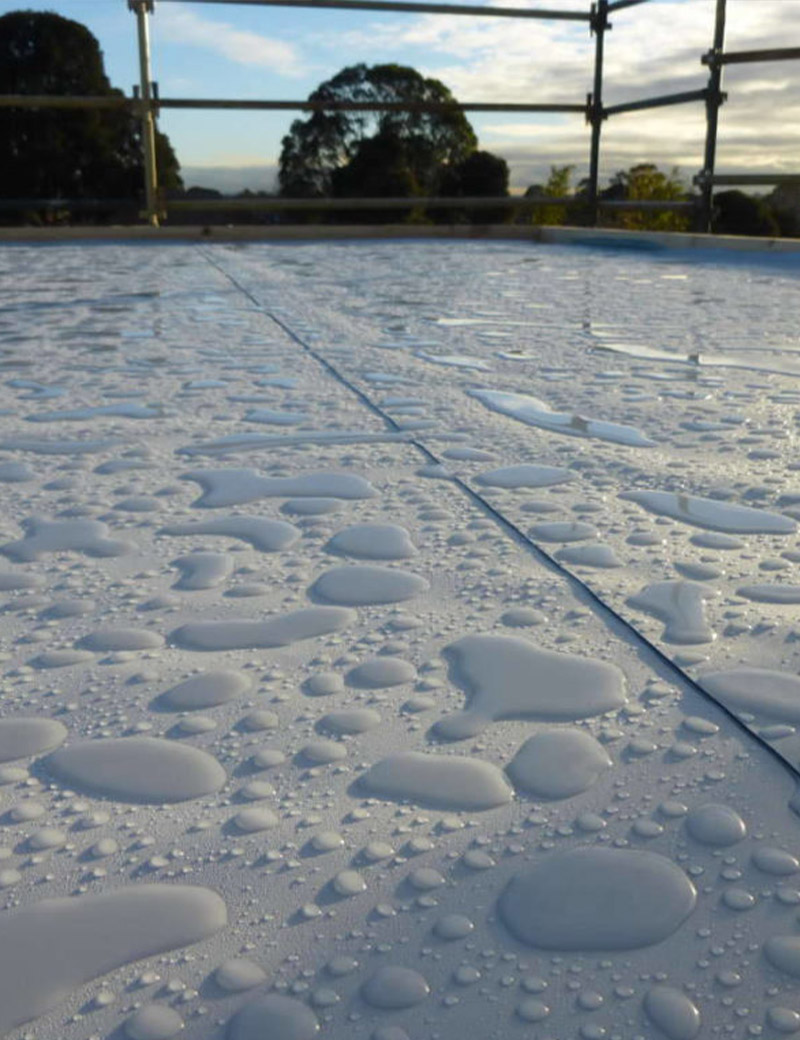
<point x="714" y="99"/>
<point x="142" y="8"/>
<point x="599" y="24"/>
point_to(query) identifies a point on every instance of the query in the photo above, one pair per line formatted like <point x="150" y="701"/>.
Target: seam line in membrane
<point x="610" y="616"/>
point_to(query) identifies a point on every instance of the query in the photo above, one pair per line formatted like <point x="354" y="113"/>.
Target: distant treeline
<point x="85" y="166"/>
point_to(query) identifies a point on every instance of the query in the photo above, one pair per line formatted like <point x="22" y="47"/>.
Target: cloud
<point x="241" y="46"/>
<point x="651" y="50"/>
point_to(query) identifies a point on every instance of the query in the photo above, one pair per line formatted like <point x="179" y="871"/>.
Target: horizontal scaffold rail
<point x="743" y="57"/>
<point x="247" y="104"/>
<point x="667" y="205"/>
<point x="66" y="101"/>
<point x="16" y="205"/>
<point x="754" y="178"/>
<point x="276" y="203"/>
<point x="370" y="106"/>
<point x="414" y="8"/>
<point x="657" y="102"/>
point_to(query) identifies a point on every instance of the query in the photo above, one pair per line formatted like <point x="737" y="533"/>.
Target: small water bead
<point x="361" y="586"/>
<point x="21" y="737"/>
<point x="341" y="965"/>
<point x="107" y="640"/>
<point x="349" y="883"/>
<point x="153" y="1022"/>
<point x="256" y="790"/>
<point x="639" y="747"/>
<point x="597" y="556"/>
<point x="256" y="721"/>
<point x="777" y="731"/>
<point x="452" y="927"/>
<point x="104" y="847"/>
<point x="597" y="899"/>
<point x="783" y="953"/>
<point x="249" y="821"/>
<point x="588" y="822"/>
<point x="206" y="690"/>
<point x="477" y="859"/>
<point x="425" y="878"/>
<point x="672" y="1012"/>
<point x="327" y="841"/>
<point x="738" y="899"/>
<point x="267" y="758"/>
<point x="91" y="820"/>
<point x="775" y="861"/>
<point x="673" y="810"/>
<point x="392" y="988"/>
<point x="323" y="752"/>
<point x="533" y="984"/>
<point x="277" y="631"/>
<point x="558" y="763"/>
<point x="522" y="617"/>
<point x="715" y="825"/>
<point x="417" y="704"/>
<point x="350" y="721"/>
<point x="762" y="691"/>
<point x="323" y="684"/>
<point x="440" y="781"/>
<point x="193" y="725"/>
<point x="372" y="542"/>
<point x="101" y="932"/>
<point x="376" y="851"/>
<point x="646" y="828"/>
<point x="466" y="975"/>
<point x="141" y="769"/>
<point x="524" y="475"/>
<point x="589" y="1000"/>
<point x="9" y="877"/>
<point x="711" y="514"/>
<point x="379" y="673"/>
<point x="238" y="974"/>
<point x="702" y="727"/>
<point x="273" y="1017"/>
<point x="783" y="1020"/>
<point x="26" y="811"/>
<point x="46" y="838"/>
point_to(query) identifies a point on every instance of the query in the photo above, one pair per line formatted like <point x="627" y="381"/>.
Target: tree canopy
<point x="48" y="153"/>
<point x="346" y="154"/>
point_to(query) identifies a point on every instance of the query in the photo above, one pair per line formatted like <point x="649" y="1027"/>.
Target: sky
<point x="247" y="51"/>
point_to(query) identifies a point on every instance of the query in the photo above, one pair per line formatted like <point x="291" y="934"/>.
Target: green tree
<point x="646" y="183"/>
<point x="380" y="168"/>
<point x="347" y="153"/>
<point x="52" y="153"/>
<point x="481" y="174"/>
<point x="557" y="186"/>
<point x="736" y="213"/>
<point x="784" y="204"/>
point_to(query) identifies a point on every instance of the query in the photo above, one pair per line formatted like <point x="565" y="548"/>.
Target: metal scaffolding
<point x="146" y="103"/>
